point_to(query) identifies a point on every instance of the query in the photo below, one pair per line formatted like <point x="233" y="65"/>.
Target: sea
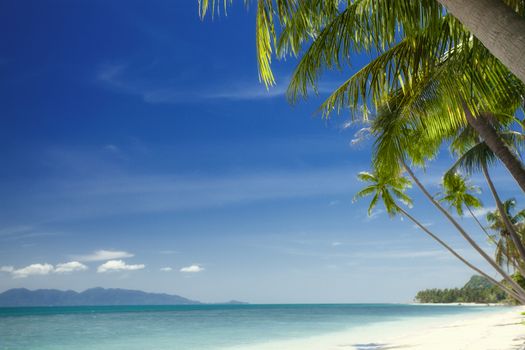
<point x="224" y="327"/>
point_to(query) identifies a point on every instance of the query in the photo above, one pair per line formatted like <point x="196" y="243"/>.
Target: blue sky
<point x="138" y="143"/>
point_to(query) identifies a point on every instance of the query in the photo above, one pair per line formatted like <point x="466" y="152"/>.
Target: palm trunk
<point x="508" y="224"/>
<point x="497" y="26"/>
<point x="512" y="261"/>
<point x="462" y="259"/>
<point x="465" y="235"/>
<point x="479" y="223"/>
<point x="487" y="132"/>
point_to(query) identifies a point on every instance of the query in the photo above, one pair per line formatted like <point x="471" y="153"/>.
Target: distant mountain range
<point x="91" y="297"/>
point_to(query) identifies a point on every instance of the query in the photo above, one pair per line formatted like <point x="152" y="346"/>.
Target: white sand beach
<point x="491" y="331"/>
<point x="500" y="331"/>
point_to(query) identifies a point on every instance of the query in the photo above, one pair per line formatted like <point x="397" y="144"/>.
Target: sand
<point x="499" y="330"/>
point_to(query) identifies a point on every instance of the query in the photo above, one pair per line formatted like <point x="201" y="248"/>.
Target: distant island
<point x="477" y="290"/>
<point x="20" y="297"/>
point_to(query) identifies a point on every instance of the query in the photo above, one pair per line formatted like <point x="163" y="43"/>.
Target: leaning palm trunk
<point x="497" y="26"/>
<point x="509" y="291"/>
<point x="479" y="224"/>
<point x="508" y="224"/>
<point x="510" y="260"/>
<point x="487" y="132"/>
<point x="465" y="235"/>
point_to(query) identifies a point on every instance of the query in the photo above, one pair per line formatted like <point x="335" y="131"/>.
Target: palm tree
<point x="482" y="17"/>
<point x="463" y="233"/>
<point x="397" y="142"/>
<point x="489" y="134"/>
<point x="463" y="79"/>
<point x="474" y="155"/>
<point x="497" y="26"/>
<point x="458" y="193"/>
<point x="437" y="69"/>
<point x="506" y="251"/>
<point x="389" y="188"/>
<point x="385" y="187"/>
<point x="332" y="32"/>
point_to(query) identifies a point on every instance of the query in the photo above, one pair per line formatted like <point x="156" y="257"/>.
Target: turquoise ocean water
<point x="200" y="327"/>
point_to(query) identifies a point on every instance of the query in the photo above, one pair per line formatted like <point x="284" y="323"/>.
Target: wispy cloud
<point x="119" y="77"/>
<point x="101" y="255"/>
<point x="426" y="224"/>
<point x="240" y="92"/>
<point x="15" y="230"/>
<point x="122" y="194"/>
<point x="18" y="232"/>
<point x="112" y="148"/>
<point x="166" y="269"/>
<point x="168" y="252"/>
<point x="360" y="136"/>
<point x="118" y="265"/>
<point x="376" y="213"/>
<point x="410" y="254"/>
<point x="192" y="269"/>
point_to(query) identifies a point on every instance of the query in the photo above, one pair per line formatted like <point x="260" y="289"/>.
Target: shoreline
<point x="498" y="330"/>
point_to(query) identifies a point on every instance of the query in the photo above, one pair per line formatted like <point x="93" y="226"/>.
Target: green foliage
<point x="478" y="282"/>
<point x="506" y="251"/>
<point x="519" y="279"/>
<point x="457" y="192"/>
<point x="472" y="153"/>
<point x="331" y="29"/>
<point x="384" y="186"/>
<point x="477" y="290"/>
<point x="426" y="72"/>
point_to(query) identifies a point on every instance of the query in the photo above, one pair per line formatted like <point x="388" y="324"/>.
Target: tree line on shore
<point x="442" y="75"/>
<point x="477" y="290"/>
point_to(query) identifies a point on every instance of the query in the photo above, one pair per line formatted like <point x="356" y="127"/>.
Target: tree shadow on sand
<point x="522" y="345"/>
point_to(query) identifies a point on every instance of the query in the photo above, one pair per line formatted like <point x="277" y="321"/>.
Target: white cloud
<point x="44" y="269"/>
<point x="69" y="267"/>
<point x="166" y="269"/>
<point x="480" y="212"/>
<point x="118" y="265"/>
<point x="335" y="244"/>
<point x="192" y="268"/>
<point x="33" y="269"/>
<point x="101" y="255"/>
<point x="7" y="269"/>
